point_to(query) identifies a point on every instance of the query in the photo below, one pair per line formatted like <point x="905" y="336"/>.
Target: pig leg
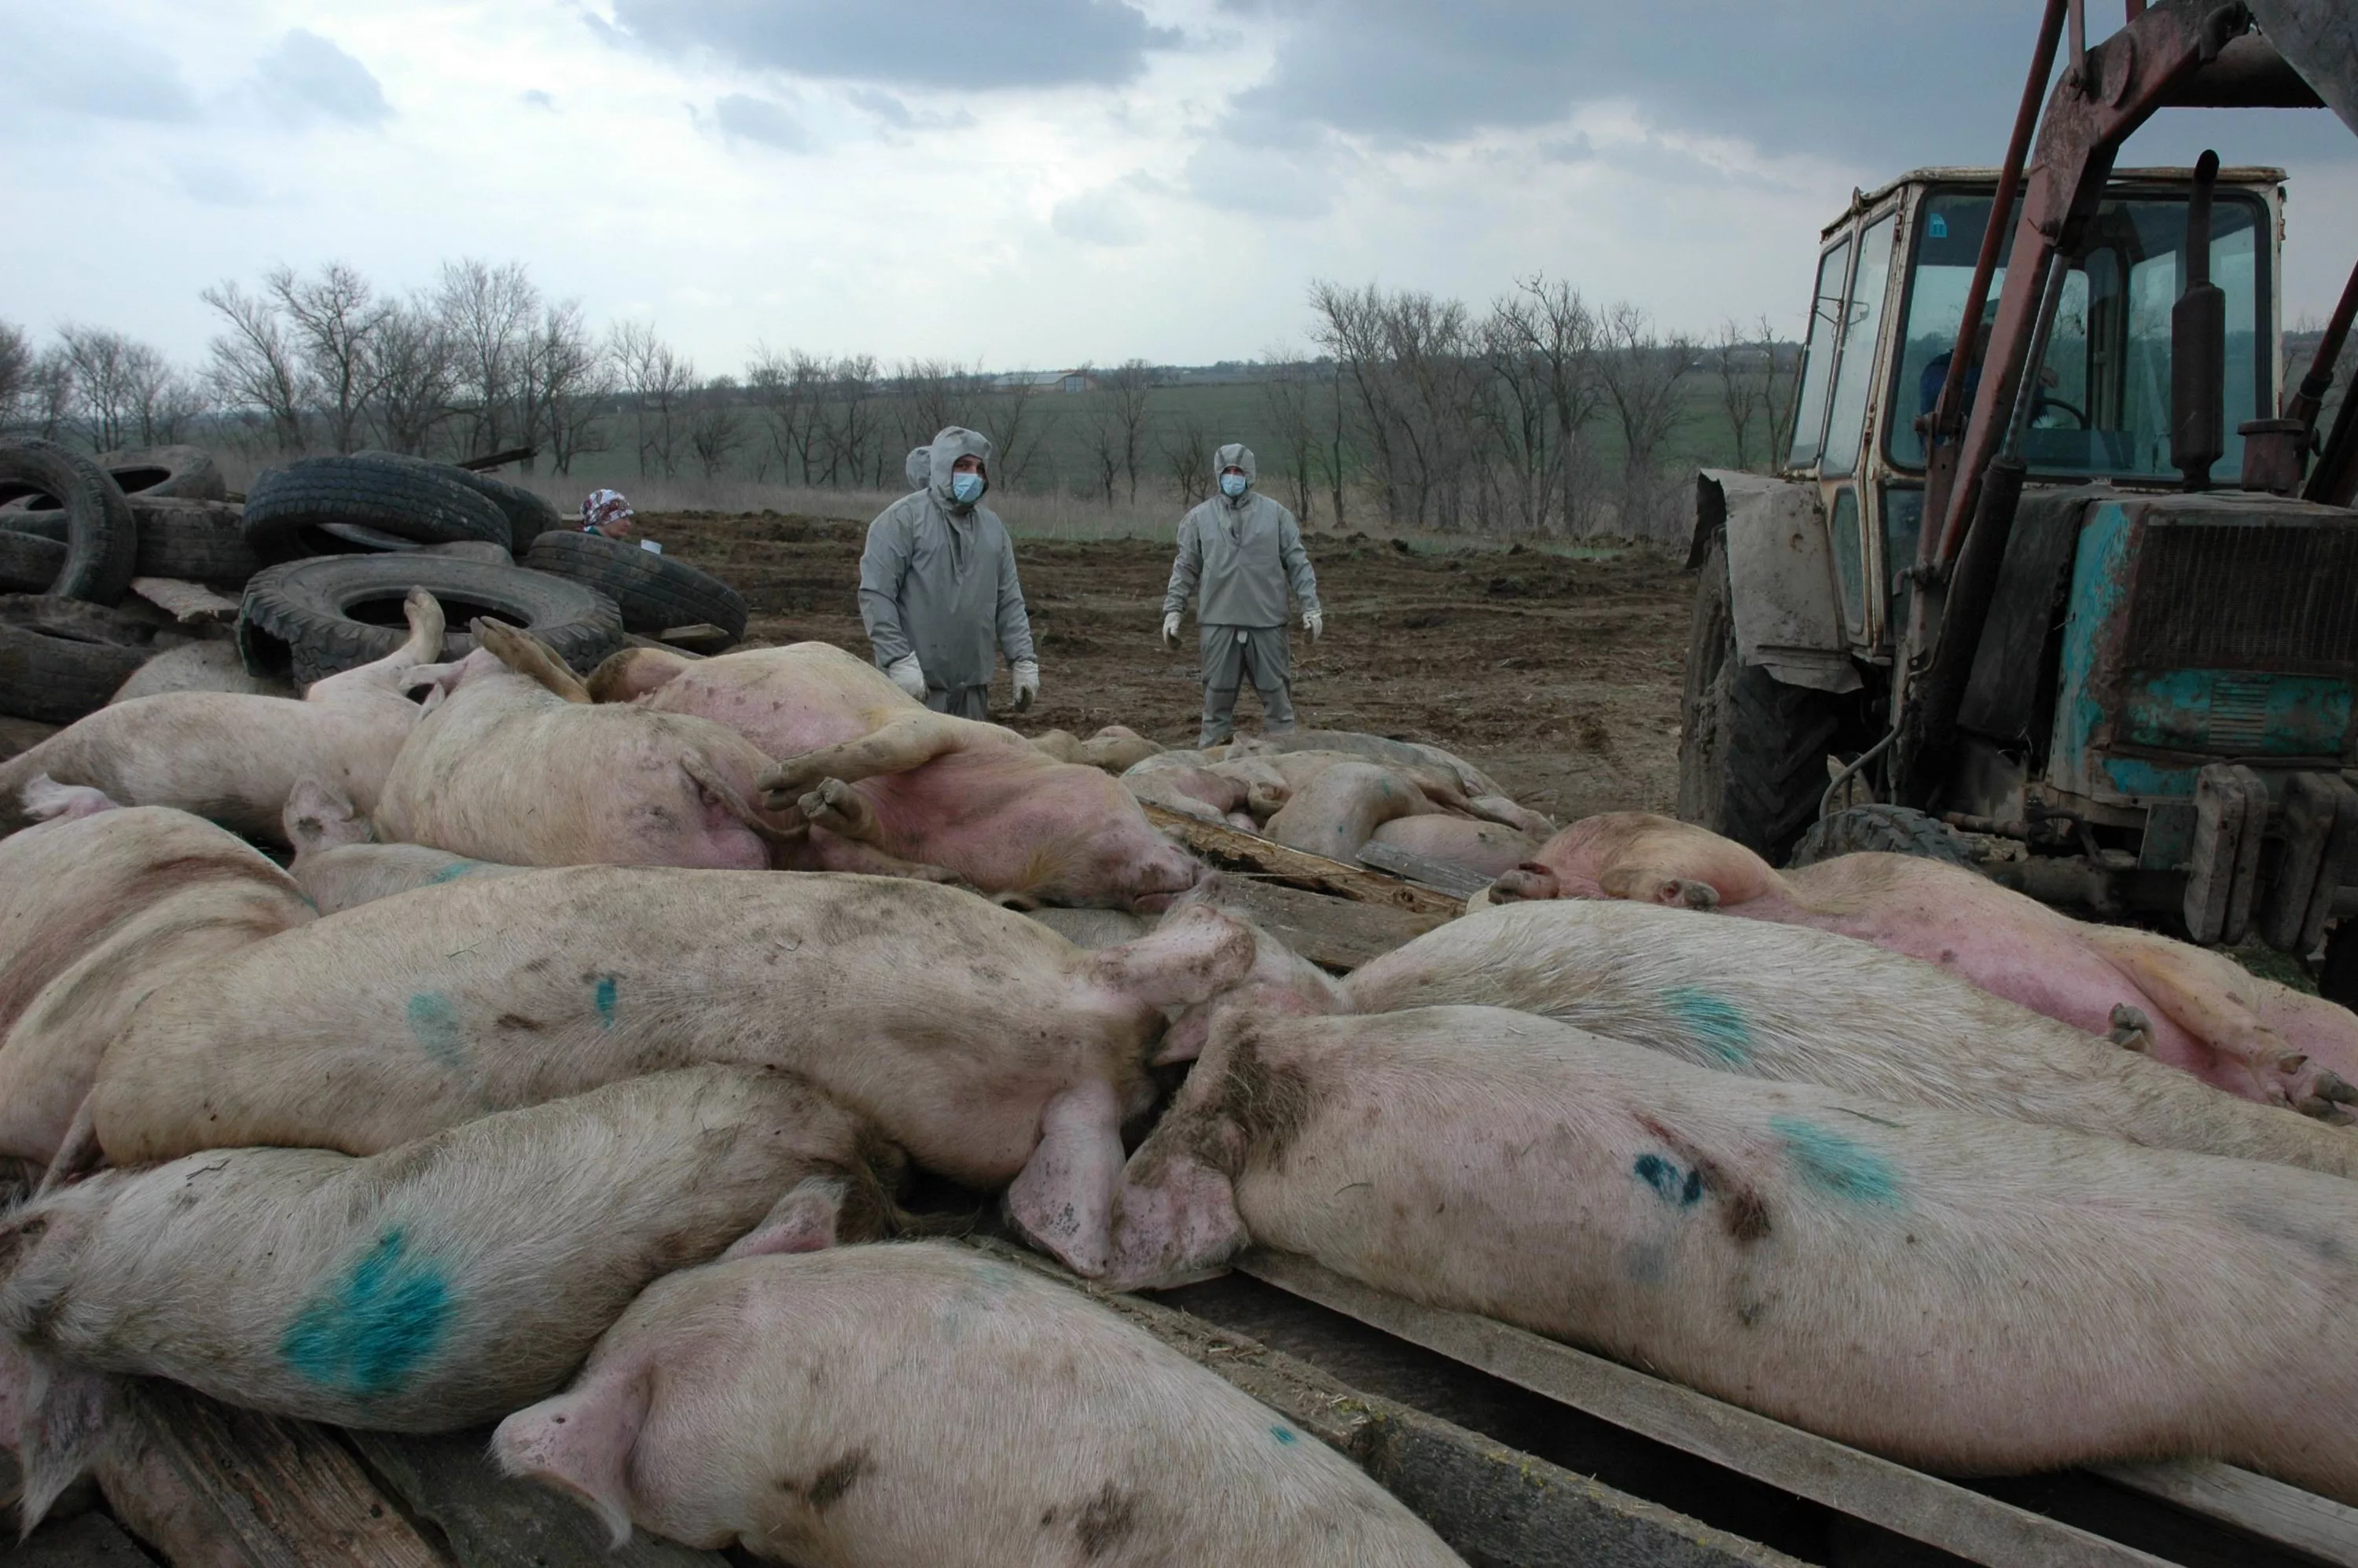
<point x="822" y="851"/>
<point x="46" y="800"/>
<point x="2195" y="991"/>
<point x="893" y="748"/>
<point x="842" y="811"/>
<point x="1497" y="808"/>
<point x="1652" y="884"/>
<point x="635" y="672"/>
<point x="387" y="676"/>
<point x="1529" y="881"/>
<point x="580" y="1442"/>
<point x="1063" y="1201"/>
<point x="528" y="656"/>
<point x="2132" y="1030"/>
<point x="63" y="1428"/>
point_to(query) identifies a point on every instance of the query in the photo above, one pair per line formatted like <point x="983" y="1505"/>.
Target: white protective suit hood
<point x="951" y="443"/>
<point x="1235" y="454"/>
<point x="918" y="466"/>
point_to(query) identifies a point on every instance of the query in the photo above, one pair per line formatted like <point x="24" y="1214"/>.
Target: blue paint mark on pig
<point x="1833" y="1164"/>
<point x="371" y="1330"/>
<point x="1672" y="1185"/>
<point x="1717" y="1024"/>
<point x="434" y="1025"/>
<point x="605" y="997"/>
<point x="452" y="873"/>
<point x="1284" y="1435"/>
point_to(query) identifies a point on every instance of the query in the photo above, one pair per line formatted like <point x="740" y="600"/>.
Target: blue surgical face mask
<point x="1233" y="485"/>
<point x="965" y="488"/>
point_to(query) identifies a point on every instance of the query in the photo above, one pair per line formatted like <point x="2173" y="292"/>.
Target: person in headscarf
<point x="1242" y="552"/>
<point x="607" y="515"/>
<point x="938" y="591"/>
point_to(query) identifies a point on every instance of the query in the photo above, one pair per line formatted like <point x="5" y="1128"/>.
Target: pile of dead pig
<point x="572" y="1074"/>
<point x="137" y="572"/>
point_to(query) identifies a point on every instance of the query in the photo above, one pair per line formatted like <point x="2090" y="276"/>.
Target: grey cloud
<point x="79" y="69"/>
<point x="1263" y="182"/>
<point x="217" y="185"/>
<point x="914" y="43"/>
<point x="1105" y="216"/>
<point x="537" y="99"/>
<point x="308" y="77"/>
<point x="896" y="113"/>
<point x="762" y="120"/>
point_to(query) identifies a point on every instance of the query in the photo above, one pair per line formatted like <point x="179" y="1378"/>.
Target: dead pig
<point x="236" y="758"/>
<point x="507" y="771"/>
<point x="446" y="1281"/>
<point x="1807" y="1007"/>
<point x="339" y="866"/>
<point x="920" y="1403"/>
<point x="2193" y="1009"/>
<point x="1965" y="1293"/>
<point x="990" y="1047"/>
<point x="98" y="909"/>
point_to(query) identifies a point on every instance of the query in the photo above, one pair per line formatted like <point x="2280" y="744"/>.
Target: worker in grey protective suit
<point x="1242" y="551"/>
<point x="937" y="586"/>
<point x="918" y="465"/>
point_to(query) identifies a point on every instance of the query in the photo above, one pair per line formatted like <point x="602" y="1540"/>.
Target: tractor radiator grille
<point x="2274" y="598"/>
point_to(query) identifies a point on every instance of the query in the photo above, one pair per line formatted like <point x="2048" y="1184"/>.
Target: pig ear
<point x="319" y="817"/>
<point x="803" y="1221"/>
<point x="1191" y="956"/>
<point x="62" y="1427"/>
<point x="580" y="1442"/>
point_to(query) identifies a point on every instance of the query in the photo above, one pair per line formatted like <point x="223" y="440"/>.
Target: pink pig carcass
<point x="2193" y="1009"/>
<point x="875" y="774"/>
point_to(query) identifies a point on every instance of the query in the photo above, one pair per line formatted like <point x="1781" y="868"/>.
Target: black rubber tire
<point x="101" y="540"/>
<point x="299" y="618"/>
<point x="50" y="525"/>
<point x="60" y="659"/>
<point x="30" y="563"/>
<point x="1882" y="829"/>
<point x="165" y="473"/>
<point x="197" y="541"/>
<point x="529" y="516"/>
<point x="285" y="508"/>
<point x="1752" y="750"/>
<point x="656" y="593"/>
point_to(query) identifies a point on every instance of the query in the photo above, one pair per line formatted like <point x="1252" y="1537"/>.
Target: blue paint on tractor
<point x="1835" y="1164"/>
<point x="2102" y="570"/>
<point x="434" y="1025"/>
<point x="371" y="1331"/>
<point x="1717" y="1026"/>
<point x="604" y="995"/>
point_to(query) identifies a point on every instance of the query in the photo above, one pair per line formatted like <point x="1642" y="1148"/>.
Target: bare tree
<point x="48" y="399"/>
<point x="568" y="383"/>
<point x="164" y="402"/>
<point x="415" y="376"/>
<point x="1188" y="459"/>
<point x="1561" y="340"/>
<point x="716" y="425"/>
<point x="16" y="371"/>
<point x="489" y="311"/>
<point x="1104" y="443"/>
<point x="786" y="388"/>
<point x="849" y="438"/>
<point x="334" y="318"/>
<point x="1348" y="325"/>
<point x="1778" y="390"/>
<point x="254" y="367"/>
<point x="1018" y="420"/>
<point x="1287" y="389"/>
<point x="1743" y="384"/>
<point x="1126" y="387"/>
<point x="107" y="373"/>
<point x="1643" y="374"/>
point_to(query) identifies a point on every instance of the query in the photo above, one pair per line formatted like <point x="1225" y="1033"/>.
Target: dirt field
<point x="1558" y="675"/>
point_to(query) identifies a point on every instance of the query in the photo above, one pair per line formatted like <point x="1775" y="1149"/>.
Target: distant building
<point x="1061" y="380"/>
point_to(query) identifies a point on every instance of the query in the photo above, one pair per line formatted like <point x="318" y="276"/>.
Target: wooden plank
<point x="496" y="1522"/>
<point x="189" y="603"/>
<point x="702" y="637"/>
<point x="1492" y="1504"/>
<point x="89" y="1541"/>
<point x="1233" y="848"/>
<point x="2256" y="1505"/>
<point x="1335" y="932"/>
<point x="1908" y="1502"/>
<point x="207" y="1483"/>
<point x="1444" y="877"/>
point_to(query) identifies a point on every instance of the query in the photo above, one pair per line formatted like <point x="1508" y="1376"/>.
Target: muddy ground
<point x="1560" y="676"/>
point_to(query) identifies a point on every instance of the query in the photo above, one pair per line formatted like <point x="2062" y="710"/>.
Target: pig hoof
<point x="837" y="807"/>
<point x="2131" y="1028"/>
<point x="2333" y="1088"/>
<point x="1693" y="895"/>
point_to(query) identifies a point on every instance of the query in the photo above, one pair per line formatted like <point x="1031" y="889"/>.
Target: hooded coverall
<point x="1242" y="555"/>
<point x="937" y="579"/>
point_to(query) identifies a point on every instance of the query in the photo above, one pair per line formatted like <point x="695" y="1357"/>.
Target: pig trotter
<point x="2333" y="1086"/>
<point x="2132" y="1030"/>
<point x="1063" y="1200"/>
<point x="528" y="656"/>
<point x="841" y="810"/>
<point x="1527" y="881"/>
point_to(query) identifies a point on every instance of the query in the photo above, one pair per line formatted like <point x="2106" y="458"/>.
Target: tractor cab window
<point x="1818" y="358"/>
<point x="2103" y="398"/>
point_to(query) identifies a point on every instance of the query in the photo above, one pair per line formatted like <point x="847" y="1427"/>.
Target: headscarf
<point x="603" y="508"/>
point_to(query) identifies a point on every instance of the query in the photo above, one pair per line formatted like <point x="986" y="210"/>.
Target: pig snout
<point x="1175" y="1221"/>
<point x="1162" y="877"/>
<point x="1528" y="880"/>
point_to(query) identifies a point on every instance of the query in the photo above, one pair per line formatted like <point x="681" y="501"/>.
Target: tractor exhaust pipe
<point x="2197" y="347"/>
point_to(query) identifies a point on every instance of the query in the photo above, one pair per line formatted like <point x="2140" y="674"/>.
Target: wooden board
<point x="205" y="1483"/>
<point x="1235" y="849"/>
<point x="495" y="1522"/>
<point x="1908" y="1502"/>
<point x="1337" y="933"/>
<point x="1493" y="1504"/>
<point x="1444" y="877"/>
<point x="2272" y="1510"/>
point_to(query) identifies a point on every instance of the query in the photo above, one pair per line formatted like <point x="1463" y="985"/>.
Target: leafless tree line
<point x="849" y="422"/>
<point x="97" y="386"/>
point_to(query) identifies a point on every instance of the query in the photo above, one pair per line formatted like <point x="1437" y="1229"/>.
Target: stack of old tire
<point x="346" y="538"/>
<point x="74" y="532"/>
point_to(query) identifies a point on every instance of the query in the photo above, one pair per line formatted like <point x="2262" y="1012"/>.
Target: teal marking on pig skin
<point x="1833" y="1164"/>
<point x="1663" y="1177"/>
<point x="1718" y="1027"/>
<point x="434" y="1025"/>
<point x="371" y="1330"/>
<point x="1284" y="1436"/>
<point x="451" y="873"/>
<point x="604" y="995"/>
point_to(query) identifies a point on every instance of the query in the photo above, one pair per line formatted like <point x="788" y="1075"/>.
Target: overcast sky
<point x="1024" y="182"/>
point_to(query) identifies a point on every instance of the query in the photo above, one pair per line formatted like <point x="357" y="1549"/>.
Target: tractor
<point x="2057" y="578"/>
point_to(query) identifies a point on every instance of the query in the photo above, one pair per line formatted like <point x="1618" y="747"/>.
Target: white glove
<point x="1027" y="683"/>
<point x="1314" y="622"/>
<point x="905" y="673"/>
<point x="1171" y="629"/>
